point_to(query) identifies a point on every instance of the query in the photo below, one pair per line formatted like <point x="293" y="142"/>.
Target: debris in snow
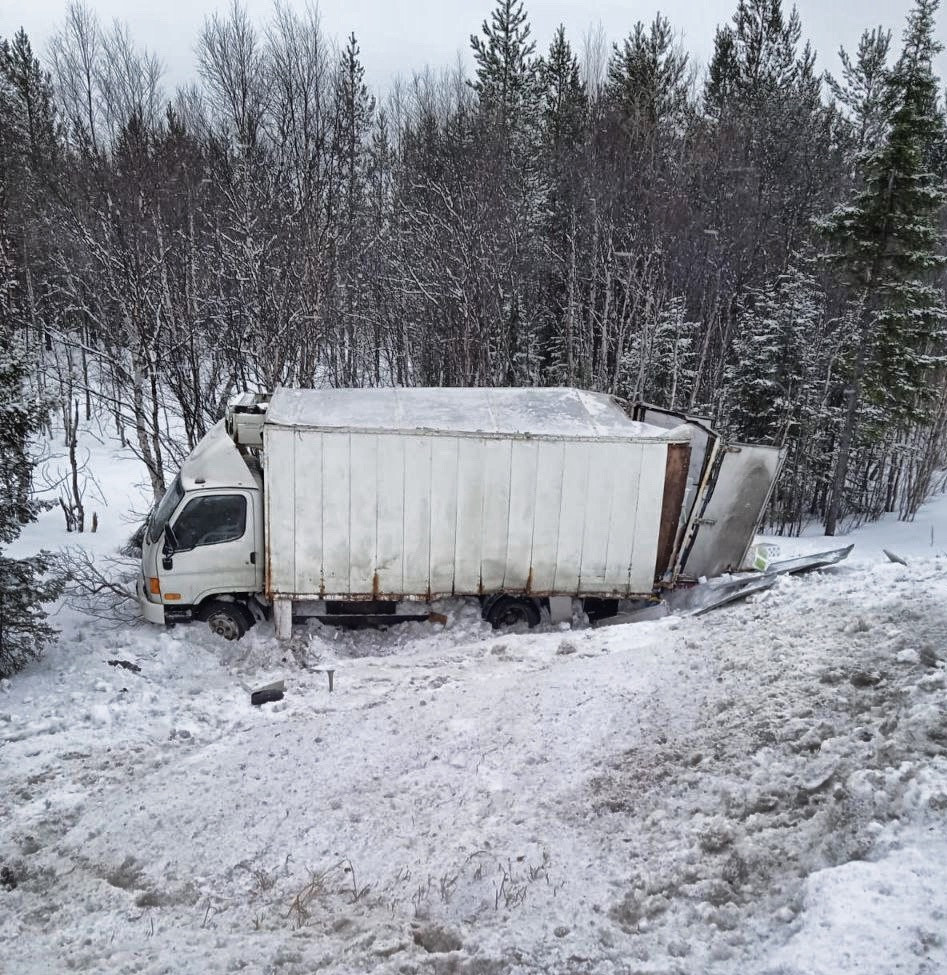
<point x="894" y="558"/>
<point x="435" y="939"/>
<point x="271" y="692"/>
<point x="126" y="664"/>
<point x="866" y="678"/>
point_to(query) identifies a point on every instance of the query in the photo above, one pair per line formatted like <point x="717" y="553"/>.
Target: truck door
<point x="726" y="514"/>
<point x="214" y="548"/>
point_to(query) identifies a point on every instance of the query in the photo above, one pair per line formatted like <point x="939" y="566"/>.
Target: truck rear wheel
<point x="228" y="620"/>
<point x="510" y="610"/>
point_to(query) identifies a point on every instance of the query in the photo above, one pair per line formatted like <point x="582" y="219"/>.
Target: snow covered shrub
<point x="23" y="626"/>
<point x="23" y="589"/>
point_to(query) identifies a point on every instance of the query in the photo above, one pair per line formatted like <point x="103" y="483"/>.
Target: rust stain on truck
<point x="672" y="503"/>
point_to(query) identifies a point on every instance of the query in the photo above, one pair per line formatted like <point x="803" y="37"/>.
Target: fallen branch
<point x="100" y="587"/>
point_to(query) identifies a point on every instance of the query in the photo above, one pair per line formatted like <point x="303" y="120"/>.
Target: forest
<point x="759" y="243"/>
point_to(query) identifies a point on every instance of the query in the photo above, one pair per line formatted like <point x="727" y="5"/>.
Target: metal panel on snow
<point x="723" y="531"/>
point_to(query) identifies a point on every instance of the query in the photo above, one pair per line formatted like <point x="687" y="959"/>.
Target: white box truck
<point x="342" y="502"/>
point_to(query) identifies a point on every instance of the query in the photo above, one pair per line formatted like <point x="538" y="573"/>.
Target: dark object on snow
<point x="865" y="678"/>
<point x="892" y="557"/>
<point x="437" y="940"/>
<point x="324" y="670"/>
<point x="272" y="692"/>
<point x="8" y="879"/>
<point x="127" y="664"/>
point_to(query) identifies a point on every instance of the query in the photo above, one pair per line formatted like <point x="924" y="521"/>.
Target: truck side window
<point x="211" y="520"/>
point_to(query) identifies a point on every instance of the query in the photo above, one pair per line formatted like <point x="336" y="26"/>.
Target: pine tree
<point x="861" y="92"/>
<point x="755" y="58"/>
<point x="31" y="102"/>
<point x="888" y="248"/>
<point x="507" y="72"/>
<point x="564" y="99"/>
<point x="647" y="77"/>
<point x="354" y="113"/>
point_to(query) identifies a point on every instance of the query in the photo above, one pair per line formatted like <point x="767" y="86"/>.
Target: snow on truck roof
<point x="490" y="411"/>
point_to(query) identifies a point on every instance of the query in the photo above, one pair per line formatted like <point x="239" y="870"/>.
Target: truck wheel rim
<point x="513" y="615"/>
<point x="224" y="626"/>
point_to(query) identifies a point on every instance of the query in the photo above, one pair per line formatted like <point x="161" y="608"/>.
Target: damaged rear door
<point x="728" y="509"/>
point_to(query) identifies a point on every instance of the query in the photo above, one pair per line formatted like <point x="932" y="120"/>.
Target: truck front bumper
<point x="152" y="612"/>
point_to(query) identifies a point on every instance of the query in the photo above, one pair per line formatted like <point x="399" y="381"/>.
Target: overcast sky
<point x="404" y="36"/>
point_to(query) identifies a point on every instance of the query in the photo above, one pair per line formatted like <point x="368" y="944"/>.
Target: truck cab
<point x="203" y="545"/>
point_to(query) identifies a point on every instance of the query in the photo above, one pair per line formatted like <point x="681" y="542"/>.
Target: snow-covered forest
<point x="758" y="242"/>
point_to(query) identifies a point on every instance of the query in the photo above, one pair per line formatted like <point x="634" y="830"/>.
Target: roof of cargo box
<point x="489" y="411"/>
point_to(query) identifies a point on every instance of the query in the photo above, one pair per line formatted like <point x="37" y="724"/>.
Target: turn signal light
<point x="154" y="586"/>
<point x="172" y="595"/>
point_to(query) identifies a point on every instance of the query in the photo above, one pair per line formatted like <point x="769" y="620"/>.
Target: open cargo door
<point x="704" y="447"/>
<point x="727" y="491"/>
<point x="728" y="509"/>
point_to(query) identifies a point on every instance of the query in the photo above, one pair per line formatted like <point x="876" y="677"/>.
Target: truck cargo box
<point x="418" y="493"/>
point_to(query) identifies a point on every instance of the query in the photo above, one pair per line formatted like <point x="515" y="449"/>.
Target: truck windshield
<point x="170" y="501"/>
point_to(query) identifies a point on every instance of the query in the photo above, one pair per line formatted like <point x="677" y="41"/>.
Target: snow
<point x="561" y="413"/>
<point x="759" y="790"/>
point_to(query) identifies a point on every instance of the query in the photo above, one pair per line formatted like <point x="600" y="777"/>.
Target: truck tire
<point x="510" y="610"/>
<point x="227" y="620"/>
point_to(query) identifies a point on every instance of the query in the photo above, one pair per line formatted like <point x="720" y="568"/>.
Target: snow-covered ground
<point x="759" y="790"/>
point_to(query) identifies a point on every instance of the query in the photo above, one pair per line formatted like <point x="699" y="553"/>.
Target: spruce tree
<point x="888" y="247"/>
<point x="777" y="357"/>
<point x="23" y="590"/>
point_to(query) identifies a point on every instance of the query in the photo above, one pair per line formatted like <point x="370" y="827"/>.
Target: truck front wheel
<point x="510" y="610"/>
<point x="228" y="620"/>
